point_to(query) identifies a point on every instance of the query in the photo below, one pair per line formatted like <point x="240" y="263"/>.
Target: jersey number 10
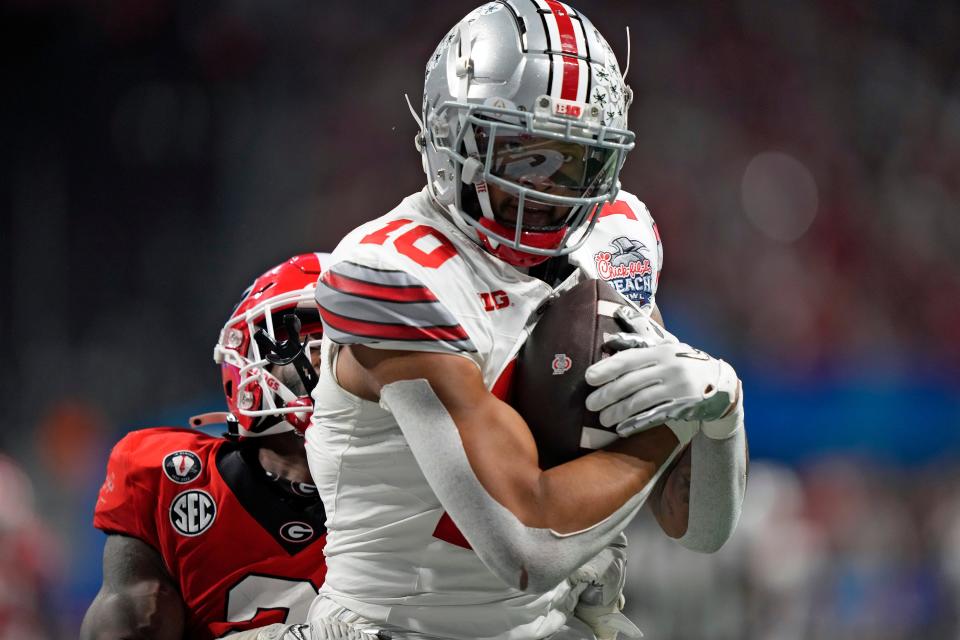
<point x="405" y="243"/>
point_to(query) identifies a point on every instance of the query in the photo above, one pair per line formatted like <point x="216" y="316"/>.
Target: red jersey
<point x="244" y="553"/>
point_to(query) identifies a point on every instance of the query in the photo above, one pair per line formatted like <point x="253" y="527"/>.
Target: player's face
<point x="315" y="353"/>
<point x="287" y="374"/>
<point x="544" y="165"/>
<point x="536" y="215"/>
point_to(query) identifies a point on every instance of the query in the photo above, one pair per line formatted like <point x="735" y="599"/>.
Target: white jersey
<point x="411" y="280"/>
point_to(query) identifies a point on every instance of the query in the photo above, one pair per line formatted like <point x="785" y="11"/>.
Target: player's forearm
<point x="145" y="611"/>
<point x="580" y="493"/>
<point x="138" y="599"/>
<point x="566" y="498"/>
<point x="670" y="500"/>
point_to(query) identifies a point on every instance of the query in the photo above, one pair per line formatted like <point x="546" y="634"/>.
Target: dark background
<point x="157" y="155"/>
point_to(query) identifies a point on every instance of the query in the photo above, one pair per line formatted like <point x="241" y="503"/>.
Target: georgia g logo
<point x="182" y="466"/>
<point x="296" y="531"/>
<point x="192" y="512"/>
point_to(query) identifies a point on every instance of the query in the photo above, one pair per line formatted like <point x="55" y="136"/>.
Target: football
<point x="548" y="388"/>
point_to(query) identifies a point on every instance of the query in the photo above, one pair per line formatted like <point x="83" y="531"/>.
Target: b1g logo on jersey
<point x="494" y="300"/>
<point x="192" y="512"/>
<point x="296" y="531"/>
<point x="182" y="466"/>
<point x="627" y="269"/>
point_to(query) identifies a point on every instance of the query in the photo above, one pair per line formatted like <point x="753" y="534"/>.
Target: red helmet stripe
<point x="570" y="82"/>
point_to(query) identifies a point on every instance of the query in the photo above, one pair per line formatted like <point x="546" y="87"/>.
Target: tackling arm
<point x="138" y="599"/>
<point x="550" y="521"/>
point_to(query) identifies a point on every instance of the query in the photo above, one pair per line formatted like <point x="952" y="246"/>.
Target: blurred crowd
<point x="802" y="159"/>
<point x="865" y="98"/>
<point x="841" y="550"/>
<point x="163" y="153"/>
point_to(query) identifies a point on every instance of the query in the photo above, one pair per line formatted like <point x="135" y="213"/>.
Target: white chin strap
<point x="472" y="168"/>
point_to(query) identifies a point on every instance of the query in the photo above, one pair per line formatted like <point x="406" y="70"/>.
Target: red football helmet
<point x="278" y="304"/>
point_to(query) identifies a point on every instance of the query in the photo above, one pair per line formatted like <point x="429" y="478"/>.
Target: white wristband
<point x="728" y="425"/>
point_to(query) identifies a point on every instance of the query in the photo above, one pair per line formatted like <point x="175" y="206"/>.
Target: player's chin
<point x="536" y="215"/>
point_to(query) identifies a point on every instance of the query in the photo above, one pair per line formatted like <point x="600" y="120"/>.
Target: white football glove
<point x="277" y="631"/>
<point x="604" y="574"/>
<point x="330" y="629"/>
<point x="643" y="386"/>
<point x="321" y="629"/>
<point x="607" y="622"/>
<point x="640" y="330"/>
<point x="602" y="600"/>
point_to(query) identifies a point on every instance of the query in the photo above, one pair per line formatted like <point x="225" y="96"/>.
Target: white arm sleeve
<point x="718" y="480"/>
<point x="523" y="557"/>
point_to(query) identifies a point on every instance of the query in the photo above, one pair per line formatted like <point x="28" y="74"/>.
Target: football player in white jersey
<point x="441" y="522"/>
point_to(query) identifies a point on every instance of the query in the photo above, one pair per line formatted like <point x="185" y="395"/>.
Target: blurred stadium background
<point x="802" y="159"/>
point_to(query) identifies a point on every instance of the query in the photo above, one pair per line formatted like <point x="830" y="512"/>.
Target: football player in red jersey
<point x="207" y="535"/>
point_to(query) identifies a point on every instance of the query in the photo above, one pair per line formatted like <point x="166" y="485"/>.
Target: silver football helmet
<point x="524" y="127"/>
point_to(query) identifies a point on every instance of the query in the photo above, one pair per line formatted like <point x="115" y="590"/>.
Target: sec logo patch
<point x="192" y="512"/>
<point x="182" y="466"/>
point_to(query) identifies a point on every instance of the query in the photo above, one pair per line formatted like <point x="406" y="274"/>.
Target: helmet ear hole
<point x="228" y="389"/>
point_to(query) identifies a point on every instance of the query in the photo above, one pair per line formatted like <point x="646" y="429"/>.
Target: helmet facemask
<point x="264" y="397"/>
<point x="538" y="179"/>
<point x="524" y="103"/>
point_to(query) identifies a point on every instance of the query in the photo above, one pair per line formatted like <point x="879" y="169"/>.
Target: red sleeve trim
<point x="618" y="208"/>
<point x="387" y="293"/>
<point x="385" y="331"/>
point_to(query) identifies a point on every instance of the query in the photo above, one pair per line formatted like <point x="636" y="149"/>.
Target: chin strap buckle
<point x="471" y="168"/>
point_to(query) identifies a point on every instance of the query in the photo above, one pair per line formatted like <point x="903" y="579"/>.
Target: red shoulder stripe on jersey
<point x="388" y="331"/>
<point x="390" y="293"/>
<point x="618" y="208"/>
